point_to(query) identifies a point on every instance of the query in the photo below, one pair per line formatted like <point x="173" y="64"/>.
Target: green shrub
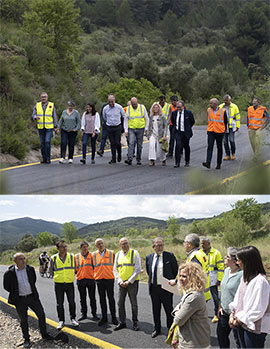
<point x="236" y="233"/>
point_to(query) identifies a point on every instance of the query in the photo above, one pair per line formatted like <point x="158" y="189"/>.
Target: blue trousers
<point x="229" y="138"/>
<point x="214" y="293"/>
<point x="249" y="339"/>
<point x="135" y="136"/>
<point x="93" y="144"/>
<point x="45" y="136"/>
<point x="223" y="332"/>
<point x="103" y="138"/>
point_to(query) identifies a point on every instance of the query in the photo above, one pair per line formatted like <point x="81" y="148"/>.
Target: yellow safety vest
<point x="45" y="118"/>
<point x="63" y="272"/>
<point x="233" y="114"/>
<point x="125" y="264"/>
<point x="166" y="110"/>
<point x="216" y="263"/>
<point x="202" y="258"/>
<point x="136" y="117"/>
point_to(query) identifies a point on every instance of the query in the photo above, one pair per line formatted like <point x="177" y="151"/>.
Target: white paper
<point x="166" y="286"/>
<point x="213" y="277"/>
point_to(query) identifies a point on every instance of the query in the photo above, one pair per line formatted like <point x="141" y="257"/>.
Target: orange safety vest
<point x="256" y="119"/>
<point x="172" y="109"/>
<point x="84" y="266"/>
<point x="216" y="121"/>
<point x="103" y="267"/>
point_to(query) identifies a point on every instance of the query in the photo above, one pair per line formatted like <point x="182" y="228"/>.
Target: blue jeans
<point x="103" y="138"/>
<point x="214" y="293"/>
<point x="223" y="332"/>
<point x="68" y="138"/>
<point x="229" y="137"/>
<point x="93" y="144"/>
<point x="249" y="339"/>
<point x="135" y="135"/>
<point x="45" y="136"/>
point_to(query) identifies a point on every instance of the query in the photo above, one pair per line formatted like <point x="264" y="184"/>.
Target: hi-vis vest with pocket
<point x="63" y="272"/>
<point x="255" y="117"/>
<point x="233" y="114"/>
<point x="166" y="110"/>
<point x="84" y="267"/>
<point x="103" y="267"/>
<point x="125" y="264"/>
<point x="45" y="118"/>
<point x="171" y="110"/>
<point x="136" y="117"/>
<point x="202" y="258"/>
<point x="216" y="121"/>
<point x="216" y="263"/>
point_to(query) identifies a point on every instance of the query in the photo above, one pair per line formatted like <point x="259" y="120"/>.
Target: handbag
<point x="164" y="145"/>
<point x="172" y="335"/>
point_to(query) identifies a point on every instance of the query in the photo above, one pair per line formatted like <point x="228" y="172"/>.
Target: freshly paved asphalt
<point x="120" y="178"/>
<point x="125" y="338"/>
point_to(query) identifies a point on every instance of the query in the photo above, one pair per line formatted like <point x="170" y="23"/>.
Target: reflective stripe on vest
<point x="45" y="117"/>
<point x="256" y="119"/>
<point x="216" y="121"/>
<point x="136" y="117"/>
<point x="216" y="263"/>
<point x="125" y="265"/>
<point x="165" y="110"/>
<point x="63" y="272"/>
<point x="233" y="114"/>
<point x="84" y="266"/>
<point x="103" y="267"/>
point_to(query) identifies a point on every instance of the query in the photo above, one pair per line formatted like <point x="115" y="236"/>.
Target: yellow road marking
<point x="225" y="180"/>
<point x="89" y="339"/>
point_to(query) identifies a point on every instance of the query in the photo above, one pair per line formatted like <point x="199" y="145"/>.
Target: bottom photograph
<point x="92" y="271"/>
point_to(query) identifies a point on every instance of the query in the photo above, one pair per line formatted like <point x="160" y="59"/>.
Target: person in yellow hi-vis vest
<point x="62" y="268"/>
<point x="127" y="269"/>
<point x="45" y="115"/>
<point x="135" y="125"/>
<point x="216" y="271"/>
<point x="164" y="105"/>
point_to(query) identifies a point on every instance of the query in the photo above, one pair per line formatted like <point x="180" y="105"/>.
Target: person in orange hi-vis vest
<point x="103" y="260"/>
<point x="85" y="280"/>
<point x="217" y="121"/>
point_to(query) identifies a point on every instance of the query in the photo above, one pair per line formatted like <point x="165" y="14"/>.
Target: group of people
<point x="243" y="304"/>
<point x="134" y="122"/>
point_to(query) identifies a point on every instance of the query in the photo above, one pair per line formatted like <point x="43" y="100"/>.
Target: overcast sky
<point x="100" y="208"/>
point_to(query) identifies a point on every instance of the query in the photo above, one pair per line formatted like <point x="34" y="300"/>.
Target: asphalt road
<point x="125" y="338"/>
<point x="120" y="178"/>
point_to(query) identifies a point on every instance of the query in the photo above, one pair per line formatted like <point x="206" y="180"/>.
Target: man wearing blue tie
<point x="158" y="264"/>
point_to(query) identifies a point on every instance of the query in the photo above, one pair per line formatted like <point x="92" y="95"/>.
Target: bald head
<point x="124" y="244"/>
<point x="134" y="102"/>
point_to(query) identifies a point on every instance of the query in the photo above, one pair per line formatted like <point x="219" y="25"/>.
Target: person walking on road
<point x="90" y="129"/>
<point x="160" y="264"/>
<point x="127" y="269"/>
<point x="182" y="120"/>
<point x="135" y="125"/>
<point x="157" y="133"/>
<point x="257" y="120"/>
<point x="85" y="280"/>
<point x="20" y="282"/>
<point x="233" y="125"/>
<point x="217" y="121"/>
<point x="216" y="271"/>
<point x="69" y="124"/>
<point x="165" y="106"/>
<point x="113" y="114"/>
<point x="103" y="260"/>
<point x="45" y="115"/>
<point x="104" y="134"/>
<point x="62" y="268"/>
<point x="173" y="107"/>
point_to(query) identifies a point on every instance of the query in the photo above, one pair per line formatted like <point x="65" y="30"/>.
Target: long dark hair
<point x="252" y="262"/>
<point x="93" y="108"/>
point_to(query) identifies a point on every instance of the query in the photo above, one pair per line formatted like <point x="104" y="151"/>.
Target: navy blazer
<point x="188" y="122"/>
<point x="170" y="266"/>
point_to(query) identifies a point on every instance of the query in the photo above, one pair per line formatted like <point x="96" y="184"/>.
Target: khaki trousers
<point x="255" y="138"/>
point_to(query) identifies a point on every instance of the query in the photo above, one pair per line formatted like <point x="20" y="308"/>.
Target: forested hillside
<point x="84" y="49"/>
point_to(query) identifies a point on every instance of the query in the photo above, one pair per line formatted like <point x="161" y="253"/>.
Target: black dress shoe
<point x="102" y="321"/>
<point x="186" y="164"/>
<point x="48" y="161"/>
<point x="95" y="318"/>
<point x="119" y="327"/>
<point x="43" y="161"/>
<point x="139" y="163"/>
<point x="83" y="161"/>
<point x="155" y="333"/>
<point x="135" y="327"/>
<point x="206" y="164"/>
<point x="112" y="162"/>
<point x="83" y="317"/>
<point x="47" y="337"/>
<point x="218" y="167"/>
<point x="128" y="162"/>
<point x="119" y="158"/>
<point x="115" y="321"/>
<point x="100" y="153"/>
<point x="177" y="165"/>
<point x="27" y="343"/>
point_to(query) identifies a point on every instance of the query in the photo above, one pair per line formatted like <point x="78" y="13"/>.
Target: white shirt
<point x="155" y="125"/>
<point x="180" y="120"/>
<point x="159" y="269"/>
<point x="137" y="268"/>
<point x="23" y="282"/>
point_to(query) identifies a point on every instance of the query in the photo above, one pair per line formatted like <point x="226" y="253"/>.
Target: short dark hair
<point x="174" y="98"/>
<point x="258" y="99"/>
<point x="93" y="108"/>
<point x="161" y="97"/>
<point x="252" y="262"/>
<point x="59" y="242"/>
<point x="83" y="243"/>
<point x="182" y="102"/>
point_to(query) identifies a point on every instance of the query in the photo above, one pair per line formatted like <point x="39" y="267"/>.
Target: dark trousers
<point x="223" y="332"/>
<point x="212" y="137"/>
<point x="106" y="286"/>
<point x="93" y="140"/>
<point x="60" y="290"/>
<point x="214" y="293"/>
<point x="68" y="138"/>
<point x="45" y="136"/>
<point x="229" y="138"/>
<point x="132" y="291"/>
<point x="114" y="133"/>
<point x="249" y="339"/>
<point x="182" y="142"/>
<point x="36" y="306"/>
<point x="103" y="138"/>
<point x="172" y="140"/>
<point x="83" y="286"/>
<point x="161" y="297"/>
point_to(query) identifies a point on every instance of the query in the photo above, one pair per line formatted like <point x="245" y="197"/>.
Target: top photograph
<point x="138" y="97"/>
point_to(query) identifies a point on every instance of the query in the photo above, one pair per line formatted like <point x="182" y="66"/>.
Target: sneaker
<point x="70" y="161"/>
<point x="139" y="163"/>
<point x="164" y="163"/>
<point x="62" y="161"/>
<point x="227" y="157"/>
<point x="61" y="324"/>
<point x="233" y="156"/>
<point x="215" y="319"/>
<point x="83" y="161"/>
<point x="206" y="164"/>
<point x="93" y="162"/>
<point x="74" y="323"/>
<point x="128" y="162"/>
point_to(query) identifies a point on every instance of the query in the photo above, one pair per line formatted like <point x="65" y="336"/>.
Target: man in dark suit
<point x="158" y="264"/>
<point x="182" y="121"/>
<point x="19" y="281"/>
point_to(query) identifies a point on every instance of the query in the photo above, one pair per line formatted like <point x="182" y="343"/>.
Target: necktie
<point x="155" y="271"/>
